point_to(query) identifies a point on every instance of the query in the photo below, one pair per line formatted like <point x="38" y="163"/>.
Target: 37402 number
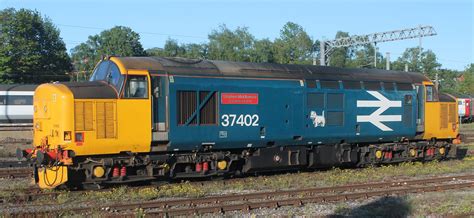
<point x="239" y="120"/>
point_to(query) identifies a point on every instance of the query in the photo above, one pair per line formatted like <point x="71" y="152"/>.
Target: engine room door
<point x="420" y="121"/>
<point x="159" y="106"/>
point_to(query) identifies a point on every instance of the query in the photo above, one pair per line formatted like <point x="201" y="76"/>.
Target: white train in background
<point x="16" y="104"/>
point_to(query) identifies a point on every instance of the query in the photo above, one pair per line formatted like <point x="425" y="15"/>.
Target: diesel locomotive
<point x="144" y="119"/>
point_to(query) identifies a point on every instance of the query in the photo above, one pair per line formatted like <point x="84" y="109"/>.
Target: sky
<point x="191" y="21"/>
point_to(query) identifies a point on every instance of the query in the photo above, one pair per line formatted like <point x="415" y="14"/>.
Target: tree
<point x="197" y="51"/>
<point x="448" y="80"/>
<point x="173" y="49"/>
<point x="262" y="51"/>
<point x="341" y="57"/>
<point x="31" y="49"/>
<point x="466" y="86"/>
<point x="363" y="57"/>
<point x="225" y="44"/>
<point x="294" y="46"/>
<point x="119" y="41"/>
<point x="427" y="63"/>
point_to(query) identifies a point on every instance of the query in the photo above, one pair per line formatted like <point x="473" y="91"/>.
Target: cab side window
<point x="114" y="77"/>
<point x="100" y="72"/>
<point x="136" y="87"/>
<point x="431" y="94"/>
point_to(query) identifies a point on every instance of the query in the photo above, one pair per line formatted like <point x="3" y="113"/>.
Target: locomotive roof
<point x="18" y="87"/>
<point x="460" y="95"/>
<point x="184" y="66"/>
<point x="443" y="97"/>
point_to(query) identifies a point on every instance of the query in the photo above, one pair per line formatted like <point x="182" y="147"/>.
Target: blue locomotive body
<point x="254" y="113"/>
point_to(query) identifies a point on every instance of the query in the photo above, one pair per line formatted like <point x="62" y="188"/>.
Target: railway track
<point x="245" y="202"/>
<point x="16" y="127"/>
<point x="16" y="172"/>
<point x="15" y="164"/>
<point x="469" y="137"/>
<point x="33" y="193"/>
<point x="468" y="133"/>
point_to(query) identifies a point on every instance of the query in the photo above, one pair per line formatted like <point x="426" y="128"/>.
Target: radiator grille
<point x="208" y="114"/>
<point x="187" y="104"/>
<point x="444" y="116"/>
<point x="109" y="120"/>
<point x="105" y="120"/>
<point x="83" y="115"/>
<point x="452" y="113"/>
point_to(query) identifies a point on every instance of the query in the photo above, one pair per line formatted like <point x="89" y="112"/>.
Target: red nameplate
<point x="239" y="98"/>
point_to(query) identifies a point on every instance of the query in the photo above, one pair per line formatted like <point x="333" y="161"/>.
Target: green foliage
<point x="173" y="49"/>
<point x="341" y="56"/>
<point x="361" y="56"/>
<point x="425" y="63"/>
<point x="119" y="41"/>
<point x="448" y="80"/>
<point x="31" y="49"/>
<point x="467" y="85"/>
<point x="294" y="46"/>
<point x="263" y="51"/>
<point x="225" y="44"/>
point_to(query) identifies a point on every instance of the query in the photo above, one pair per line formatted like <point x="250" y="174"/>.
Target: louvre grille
<point x="452" y="113"/>
<point x="208" y="114"/>
<point x="109" y="120"/>
<point x="100" y="119"/>
<point x="79" y="116"/>
<point x="88" y="116"/>
<point x="187" y="105"/>
<point x="105" y="120"/>
<point x="83" y="116"/>
<point x="444" y="116"/>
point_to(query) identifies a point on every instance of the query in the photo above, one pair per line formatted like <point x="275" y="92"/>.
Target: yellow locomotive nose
<point x="52" y="117"/>
<point x="53" y="124"/>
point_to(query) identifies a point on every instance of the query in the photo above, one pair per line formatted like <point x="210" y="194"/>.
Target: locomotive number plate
<point x="239" y="120"/>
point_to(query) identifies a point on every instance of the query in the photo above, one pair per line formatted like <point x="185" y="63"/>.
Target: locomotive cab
<point x="102" y="116"/>
<point x="440" y="114"/>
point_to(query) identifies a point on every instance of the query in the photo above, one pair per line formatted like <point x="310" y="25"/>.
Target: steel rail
<point x="247" y="206"/>
<point x="12" y="164"/>
<point x="221" y="203"/>
<point x="258" y="195"/>
<point x="16" y="172"/>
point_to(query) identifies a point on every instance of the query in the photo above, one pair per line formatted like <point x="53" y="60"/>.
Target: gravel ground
<point x="412" y="205"/>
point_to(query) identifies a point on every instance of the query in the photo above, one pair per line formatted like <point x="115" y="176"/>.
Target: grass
<point x="331" y="177"/>
<point x="346" y="176"/>
<point x="124" y="194"/>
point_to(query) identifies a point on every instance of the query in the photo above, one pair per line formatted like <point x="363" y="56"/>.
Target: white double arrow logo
<point x="376" y="117"/>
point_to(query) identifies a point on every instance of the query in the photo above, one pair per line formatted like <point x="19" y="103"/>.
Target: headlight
<point x="67" y="135"/>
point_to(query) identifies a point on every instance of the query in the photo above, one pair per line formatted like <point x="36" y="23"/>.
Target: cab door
<point x="159" y="108"/>
<point x="420" y="95"/>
